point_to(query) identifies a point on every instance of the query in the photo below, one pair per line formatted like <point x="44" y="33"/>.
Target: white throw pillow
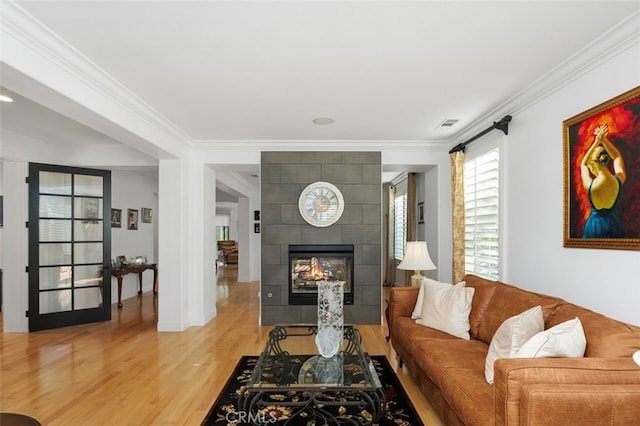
<point x="417" y="310"/>
<point x="563" y="340"/>
<point x="511" y="335"/>
<point x="446" y="308"/>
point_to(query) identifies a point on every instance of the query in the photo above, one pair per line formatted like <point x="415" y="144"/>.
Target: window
<point x="482" y="214"/>
<point x="222" y="233"/>
<point x="400" y="220"/>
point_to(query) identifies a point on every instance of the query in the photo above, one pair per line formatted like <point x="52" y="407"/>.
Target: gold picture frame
<point x="602" y="175"/>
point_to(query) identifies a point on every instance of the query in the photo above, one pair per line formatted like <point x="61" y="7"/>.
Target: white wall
<point x="603" y="280"/>
<point x="131" y="190"/>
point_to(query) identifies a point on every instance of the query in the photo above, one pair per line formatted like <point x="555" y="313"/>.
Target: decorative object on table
<point x="132" y="219"/>
<point x="139" y="260"/>
<point x="330" y="317"/>
<point x="417" y="258"/>
<point x="121" y="261"/>
<point x="146" y="215"/>
<point x="601" y="191"/>
<point x="321" y="204"/>
<point x="116" y="218"/>
<point x="398" y="408"/>
<point x="421" y="212"/>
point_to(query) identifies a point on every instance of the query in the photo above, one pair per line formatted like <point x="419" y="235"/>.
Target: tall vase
<point x="330" y="317"/>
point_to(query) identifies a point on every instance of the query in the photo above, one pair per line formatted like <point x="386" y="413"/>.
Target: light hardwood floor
<point x="123" y="372"/>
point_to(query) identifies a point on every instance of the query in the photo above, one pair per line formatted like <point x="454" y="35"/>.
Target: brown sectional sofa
<point x="601" y="388"/>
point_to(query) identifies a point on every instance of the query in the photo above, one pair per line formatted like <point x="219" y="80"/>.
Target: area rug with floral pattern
<point x="398" y="409"/>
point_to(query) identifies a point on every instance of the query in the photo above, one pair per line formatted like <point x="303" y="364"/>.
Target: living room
<point x="532" y="218"/>
<point x="599" y="67"/>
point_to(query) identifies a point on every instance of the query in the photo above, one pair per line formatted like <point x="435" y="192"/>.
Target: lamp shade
<point x="417" y="257"/>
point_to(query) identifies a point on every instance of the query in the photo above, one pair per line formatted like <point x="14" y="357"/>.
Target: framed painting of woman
<point x="602" y="175"/>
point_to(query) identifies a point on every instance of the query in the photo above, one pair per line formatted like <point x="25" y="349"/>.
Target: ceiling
<point x="263" y="70"/>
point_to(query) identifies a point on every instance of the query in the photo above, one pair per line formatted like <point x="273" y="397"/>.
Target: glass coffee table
<point x="291" y="384"/>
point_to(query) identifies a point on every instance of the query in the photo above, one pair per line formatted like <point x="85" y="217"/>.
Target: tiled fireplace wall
<point x="359" y="176"/>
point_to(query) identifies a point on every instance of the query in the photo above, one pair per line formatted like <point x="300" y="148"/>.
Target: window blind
<point x="400" y="220"/>
<point x="482" y="214"/>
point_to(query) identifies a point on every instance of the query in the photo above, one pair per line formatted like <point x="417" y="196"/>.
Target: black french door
<point x="69" y="246"/>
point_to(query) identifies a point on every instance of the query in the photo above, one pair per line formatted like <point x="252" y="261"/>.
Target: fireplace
<point x="311" y="263"/>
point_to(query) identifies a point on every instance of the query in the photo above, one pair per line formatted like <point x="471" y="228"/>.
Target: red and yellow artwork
<point x="602" y="175"/>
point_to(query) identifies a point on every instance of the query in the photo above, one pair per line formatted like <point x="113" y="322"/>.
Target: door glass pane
<point x="55" y="277"/>
<point x="87" y="253"/>
<point x="84" y="276"/>
<point x="55" y="254"/>
<point x="55" y="301"/>
<point x="55" y="183"/>
<point x="87" y="208"/>
<point x="88" y="185"/>
<point x="87" y="230"/>
<point x="87" y="298"/>
<point x="55" y="206"/>
<point x="55" y="230"/>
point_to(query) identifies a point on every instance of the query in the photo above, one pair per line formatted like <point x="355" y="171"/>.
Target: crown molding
<point x="320" y="145"/>
<point x="27" y="44"/>
<point x="610" y="44"/>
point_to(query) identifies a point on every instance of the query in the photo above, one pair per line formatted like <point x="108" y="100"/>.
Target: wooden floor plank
<point x="123" y="372"/>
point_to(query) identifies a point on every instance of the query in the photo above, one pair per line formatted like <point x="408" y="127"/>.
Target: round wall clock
<point x="321" y="204"/>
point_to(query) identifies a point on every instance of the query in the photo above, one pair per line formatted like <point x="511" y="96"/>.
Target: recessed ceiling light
<point x="5" y="98"/>
<point x="323" y="121"/>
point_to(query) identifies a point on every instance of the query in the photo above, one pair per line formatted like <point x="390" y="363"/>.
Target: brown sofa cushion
<point x="410" y="333"/>
<point x="434" y="356"/>
<point x="484" y="291"/>
<point x="606" y="337"/>
<point x="469" y="395"/>
<point x="508" y="301"/>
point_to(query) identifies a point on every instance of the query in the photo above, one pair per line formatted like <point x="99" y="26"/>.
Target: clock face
<point x="321" y="204"/>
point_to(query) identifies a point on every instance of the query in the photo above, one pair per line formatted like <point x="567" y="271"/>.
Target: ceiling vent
<point x="449" y="122"/>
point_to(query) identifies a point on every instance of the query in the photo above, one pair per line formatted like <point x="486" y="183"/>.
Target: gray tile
<point x="269" y="173"/>
<point x="362" y="194"/>
<point x="371" y="214"/>
<point x="270" y="290"/>
<point x="275" y="275"/>
<point x="280" y="193"/>
<point x="362" y="234"/>
<point x="371" y="254"/>
<point x="270" y="254"/>
<point x="281" y="234"/>
<point x="301" y="173"/>
<point x="328" y="235"/>
<point x="368" y="275"/>
<point x="291" y="215"/>
<point x="272" y="315"/>
<point x="280" y="157"/>
<point x="320" y="157"/>
<point x="270" y="214"/>
<point x="362" y="157"/>
<point x="352" y="214"/>
<point x="342" y="173"/>
<point x="372" y="173"/>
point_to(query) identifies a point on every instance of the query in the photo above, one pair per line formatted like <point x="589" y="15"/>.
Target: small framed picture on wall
<point x="146" y="215"/>
<point x="116" y="218"/>
<point x="132" y="219"/>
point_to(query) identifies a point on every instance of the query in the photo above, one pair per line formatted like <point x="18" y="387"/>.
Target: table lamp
<point x="417" y="258"/>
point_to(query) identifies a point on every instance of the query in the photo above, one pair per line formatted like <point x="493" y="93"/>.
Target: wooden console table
<point x="137" y="269"/>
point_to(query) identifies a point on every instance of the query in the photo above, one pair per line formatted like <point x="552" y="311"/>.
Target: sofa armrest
<point x="514" y="379"/>
<point x="550" y="404"/>
<point x="402" y="300"/>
